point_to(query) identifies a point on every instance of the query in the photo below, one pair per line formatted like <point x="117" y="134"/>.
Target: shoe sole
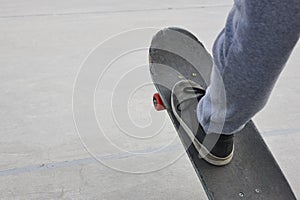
<point x="202" y="150"/>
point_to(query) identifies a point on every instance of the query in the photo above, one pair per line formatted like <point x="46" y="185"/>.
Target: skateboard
<point x="176" y="54"/>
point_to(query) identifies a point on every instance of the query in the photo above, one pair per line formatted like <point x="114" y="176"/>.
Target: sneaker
<point x="216" y="149"/>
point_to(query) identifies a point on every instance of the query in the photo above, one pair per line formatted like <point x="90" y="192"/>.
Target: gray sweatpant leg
<point x="249" y="55"/>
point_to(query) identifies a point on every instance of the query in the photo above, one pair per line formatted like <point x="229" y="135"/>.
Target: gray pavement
<point x="46" y="153"/>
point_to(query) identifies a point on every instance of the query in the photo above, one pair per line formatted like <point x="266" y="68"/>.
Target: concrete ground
<point x="76" y="114"/>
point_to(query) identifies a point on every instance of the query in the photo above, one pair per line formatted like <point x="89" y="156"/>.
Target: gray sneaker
<point x="216" y="149"/>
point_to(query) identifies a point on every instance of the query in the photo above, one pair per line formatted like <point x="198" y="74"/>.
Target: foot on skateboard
<point x="176" y="54"/>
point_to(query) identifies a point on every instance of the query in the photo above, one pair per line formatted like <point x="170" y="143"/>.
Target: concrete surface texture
<point x="76" y="114"/>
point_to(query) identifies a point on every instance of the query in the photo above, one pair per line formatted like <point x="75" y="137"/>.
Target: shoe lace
<point x="191" y="90"/>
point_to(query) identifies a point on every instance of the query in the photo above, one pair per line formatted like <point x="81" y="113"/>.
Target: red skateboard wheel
<point x="157" y="102"/>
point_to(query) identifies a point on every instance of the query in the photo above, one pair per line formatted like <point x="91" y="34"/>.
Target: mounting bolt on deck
<point x="241" y="194"/>
<point x="257" y="190"/>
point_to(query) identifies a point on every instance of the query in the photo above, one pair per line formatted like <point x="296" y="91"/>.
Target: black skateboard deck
<point x="253" y="173"/>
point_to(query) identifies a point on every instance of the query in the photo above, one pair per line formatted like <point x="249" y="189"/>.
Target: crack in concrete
<point x="112" y="11"/>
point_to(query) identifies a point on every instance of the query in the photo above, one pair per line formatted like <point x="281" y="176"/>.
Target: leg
<point x="249" y="55"/>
